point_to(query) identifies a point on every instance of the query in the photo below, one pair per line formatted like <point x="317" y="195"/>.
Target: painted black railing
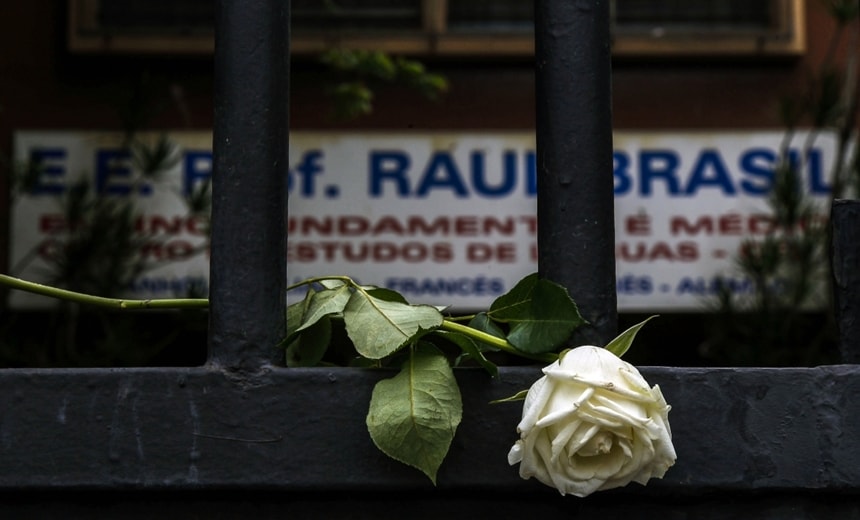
<point x="241" y="437"/>
<point x="248" y="273"/>
<point x="845" y="252"/>
<point x="576" y="232"/>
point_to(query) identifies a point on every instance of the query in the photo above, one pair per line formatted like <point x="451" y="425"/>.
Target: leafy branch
<point x="414" y="415"/>
<point x="787" y="266"/>
<point x="379" y="322"/>
<point x="360" y="72"/>
<point x="99" y="301"/>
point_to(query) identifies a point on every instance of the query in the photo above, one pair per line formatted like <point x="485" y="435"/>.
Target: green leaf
<point x="515" y="302"/>
<point x="379" y="327"/>
<point x="483" y="323"/>
<point x="386" y="294"/>
<point x="294" y="320"/>
<point x="307" y="349"/>
<point x="620" y="344"/>
<point x="470" y="348"/>
<point x="519" y="396"/>
<point x="541" y="313"/>
<point x="304" y="315"/>
<point x="324" y="303"/>
<point x="295" y="313"/>
<point x="331" y="283"/>
<point x="414" y="415"/>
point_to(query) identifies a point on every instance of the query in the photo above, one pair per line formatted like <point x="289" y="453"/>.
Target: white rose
<point x="592" y="423"/>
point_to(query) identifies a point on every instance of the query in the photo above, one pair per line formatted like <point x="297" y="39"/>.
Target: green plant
<point x="788" y="319"/>
<point x="413" y="416"/>
<point x="360" y="72"/>
<point x="94" y="247"/>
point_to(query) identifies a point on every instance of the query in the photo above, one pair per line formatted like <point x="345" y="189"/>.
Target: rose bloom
<point x="593" y="423"/>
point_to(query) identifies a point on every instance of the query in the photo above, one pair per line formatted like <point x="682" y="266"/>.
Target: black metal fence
<point x="243" y="438"/>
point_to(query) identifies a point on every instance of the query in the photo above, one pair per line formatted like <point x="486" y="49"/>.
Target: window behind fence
<point x="447" y="27"/>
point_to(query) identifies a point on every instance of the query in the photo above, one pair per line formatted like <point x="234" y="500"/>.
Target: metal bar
<point x="303" y="430"/>
<point x="576" y="231"/>
<point x="249" y="206"/>
<point x="845" y="221"/>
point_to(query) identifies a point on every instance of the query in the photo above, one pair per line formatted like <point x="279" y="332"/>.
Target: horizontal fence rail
<point x="735" y="429"/>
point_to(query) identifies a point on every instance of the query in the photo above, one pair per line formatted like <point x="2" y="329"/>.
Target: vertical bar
<point x="249" y="205"/>
<point x="576" y="230"/>
<point x="845" y="222"/>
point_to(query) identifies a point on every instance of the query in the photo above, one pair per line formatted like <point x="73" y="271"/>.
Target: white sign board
<point x="443" y="218"/>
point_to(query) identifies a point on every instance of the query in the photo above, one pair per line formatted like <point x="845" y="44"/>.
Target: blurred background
<point x="756" y="101"/>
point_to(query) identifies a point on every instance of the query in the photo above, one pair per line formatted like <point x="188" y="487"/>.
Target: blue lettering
<point x="793" y="168"/>
<point x="441" y="173"/>
<point x="658" y="164"/>
<point x="389" y="166"/>
<point x="817" y="185"/>
<point x="479" y="286"/>
<point x="49" y="181"/>
<point x="531" y="173"/>
<point x="758" y="163"/>
<point x="632" y="284"/>
<point x="620" y="166"/>
<point x="479" y="175"/>
<point x="688" y="285"/>
<point x="710" y="160"/>
<point x="790" y="172"/>
<point x="702" y="286"/>
<point x="307" y="168"/>
<point x="197" y="168"/>
<point x="112" y="167"/>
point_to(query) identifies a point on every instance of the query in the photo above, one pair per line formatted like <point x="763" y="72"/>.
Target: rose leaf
<point x="295" y="315"/>
<point x="414" y="415"/>
<point x="516" y="302"/>
<point x="541" y="314"/>
<point x="324" y="303"/>
<point x="379" y="327"/>
<point x="470" y="349"/>
<point x="294" y="320"/>
<point x="308" y="349"/>
<point x="622" y="342"/>
<point x="385" y="294"/>
<point x="519" y="396"/>
<point x="483" y="323"/>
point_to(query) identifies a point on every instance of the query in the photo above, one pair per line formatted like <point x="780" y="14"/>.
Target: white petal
<point x="634" y="410"/>
<point x="587" y="431"/>
<point x="589" y="414"/>
<point x="621" y="417"/>
<point x="515" y="456"/>
<point x="533" y="465"/>
<point x="552" y="477"/>
<point x="571" y="408"/>
<point x="534" y="404"/>
<point x="561" y="438"/>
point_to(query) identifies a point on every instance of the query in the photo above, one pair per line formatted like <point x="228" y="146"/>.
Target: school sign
<point x="444" y="218"/>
